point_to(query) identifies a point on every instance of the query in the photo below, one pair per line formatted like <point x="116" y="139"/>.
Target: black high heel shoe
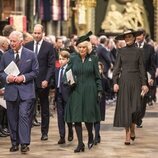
<point x="80" y="147"/>
<point x="127" y="143"/>
<point x="133" y="138"/>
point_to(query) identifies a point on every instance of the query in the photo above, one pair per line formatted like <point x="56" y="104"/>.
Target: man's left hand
<point x="19" y="79"/>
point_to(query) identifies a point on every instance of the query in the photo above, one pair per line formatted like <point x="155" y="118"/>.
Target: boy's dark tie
<point x="60" y="79"/>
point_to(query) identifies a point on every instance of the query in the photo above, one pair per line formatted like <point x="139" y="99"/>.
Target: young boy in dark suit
<point x="62" y="94"/>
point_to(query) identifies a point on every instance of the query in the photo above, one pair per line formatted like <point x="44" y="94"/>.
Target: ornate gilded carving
<point x="112" y="21"/>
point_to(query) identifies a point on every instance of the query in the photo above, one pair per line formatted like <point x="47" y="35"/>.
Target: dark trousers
<point x="97" y="130"/>
<point x="19" y="115"/>
<point x="141" y="114"/>
<point x="2" y="116"/>
<point x="43" y="95"/>
<point x="36" y="109"/>
<point x="60" y="112"/>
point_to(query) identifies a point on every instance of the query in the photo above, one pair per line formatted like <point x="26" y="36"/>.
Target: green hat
<point x="84" y="38"/>
<point x="129" y="31"/>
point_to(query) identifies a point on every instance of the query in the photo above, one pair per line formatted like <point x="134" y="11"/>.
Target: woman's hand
<point x="150" y="82"/>
<point x="99" y="96"/>
<point x="145" y="89"/>
<point x="116" y="88"/>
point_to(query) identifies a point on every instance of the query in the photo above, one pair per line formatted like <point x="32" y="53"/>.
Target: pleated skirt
<point x="128" y="103"/>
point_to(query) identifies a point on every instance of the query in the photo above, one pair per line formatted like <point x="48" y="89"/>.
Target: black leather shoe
<point x="150" y="103"/>
<point x="44" y="137"/>
<point x="6" y="133"/>
<point x="61" y="141"/>
<point x="34" y="123"/>
<point x="2" y="135"/>
<point x="6" y="130"/>
<point x="139" y="126"/>
<point x="79" y="148"/>
<point x="24" y="148"/>
<point x="14" y="148"/>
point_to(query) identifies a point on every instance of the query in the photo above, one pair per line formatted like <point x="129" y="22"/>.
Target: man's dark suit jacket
<point x="149" y="61"/>
<point x="104" y="57"/>
<point x="28" y="66"/>
<point x="46" y="59"/>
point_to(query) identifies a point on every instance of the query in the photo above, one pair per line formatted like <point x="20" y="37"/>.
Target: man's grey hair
<point x="18" y="34"/>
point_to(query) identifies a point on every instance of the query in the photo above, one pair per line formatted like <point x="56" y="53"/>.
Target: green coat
<point x="82" y="105"/>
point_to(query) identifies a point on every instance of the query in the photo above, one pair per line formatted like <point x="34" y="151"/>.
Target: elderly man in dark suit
<point x="46" y="58"/>
<point x="19" y="91"/>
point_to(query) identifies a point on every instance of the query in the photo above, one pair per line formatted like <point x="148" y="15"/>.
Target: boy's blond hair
<point x="64" y="54"/>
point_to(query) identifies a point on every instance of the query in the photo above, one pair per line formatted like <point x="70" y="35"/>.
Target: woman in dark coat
<point x="130" y="82"/>
<point x="82" y="105"/>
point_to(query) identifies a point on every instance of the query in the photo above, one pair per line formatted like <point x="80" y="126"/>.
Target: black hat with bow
<point x="84" y="38"/>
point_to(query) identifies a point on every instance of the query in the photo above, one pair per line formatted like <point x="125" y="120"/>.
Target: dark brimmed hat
<point x="129" y="31"/>
<point x="84" y="38"/>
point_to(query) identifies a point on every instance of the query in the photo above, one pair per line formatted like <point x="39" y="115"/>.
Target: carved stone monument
<point x="123" y="14"/>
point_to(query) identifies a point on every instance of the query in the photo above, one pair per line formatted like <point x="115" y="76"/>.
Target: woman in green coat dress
<point x="82" y="105"/>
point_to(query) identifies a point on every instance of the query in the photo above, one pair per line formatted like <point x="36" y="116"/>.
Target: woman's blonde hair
<point x="87" y="44"/>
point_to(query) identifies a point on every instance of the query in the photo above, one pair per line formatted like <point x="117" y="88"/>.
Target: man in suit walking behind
<point x="46" y="58"/>
<point x="150" y="67"/>
<point x="19" y="91"/>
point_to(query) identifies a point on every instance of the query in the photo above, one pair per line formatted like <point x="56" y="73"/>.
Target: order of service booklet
<point x="12" y="69"/>
<point x="70" y="77"/>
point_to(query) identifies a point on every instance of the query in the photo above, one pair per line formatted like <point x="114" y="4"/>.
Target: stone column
<point x="86" y="16"/>
<point x="20" y="7"/>
<point x="155" y="3"/>
<point x="91" y="4"/>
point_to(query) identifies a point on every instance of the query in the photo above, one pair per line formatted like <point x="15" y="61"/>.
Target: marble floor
<point x="111" y="146"/>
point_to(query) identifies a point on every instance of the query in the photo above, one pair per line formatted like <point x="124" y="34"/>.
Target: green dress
<point x="82" y="105"/>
